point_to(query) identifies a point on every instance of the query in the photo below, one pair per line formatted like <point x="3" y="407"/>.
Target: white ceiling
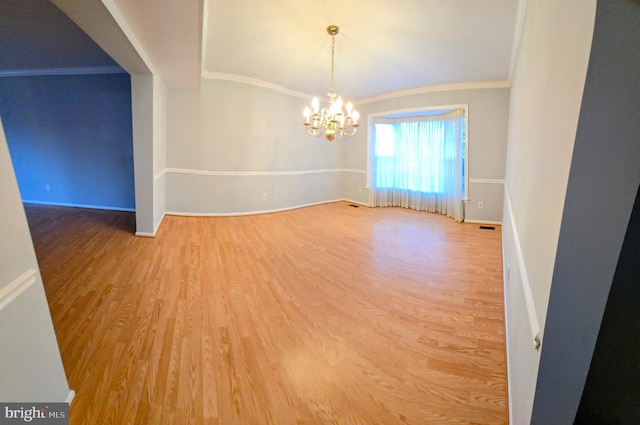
<point x="383" y="45"/>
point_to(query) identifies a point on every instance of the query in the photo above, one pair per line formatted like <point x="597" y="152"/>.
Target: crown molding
<point x="437" y="88"/>
<point x="209" y="75"/>
<point x="63" y="71"/>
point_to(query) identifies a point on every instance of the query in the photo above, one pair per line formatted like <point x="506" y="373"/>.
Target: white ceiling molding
<point x="63" y="71"/>
<point x="437" y="88"/>
<point x="419" y="90"/>
<point x="254" y="82"/>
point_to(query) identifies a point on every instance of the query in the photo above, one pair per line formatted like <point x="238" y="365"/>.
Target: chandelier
<point x="331" y="121"/>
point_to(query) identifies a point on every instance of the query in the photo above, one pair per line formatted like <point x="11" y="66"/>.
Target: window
<point x="418" y="160"/>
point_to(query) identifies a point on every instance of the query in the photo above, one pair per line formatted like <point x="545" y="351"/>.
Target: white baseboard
<point x="70" y="397"/>
<point x="155" y="230"/>
<point x="146" y="234"/>
<point x="506" y="338"/>
<point x="364" y="204"/>
<point x="66" y="204"/>
<point x="497" y="223"/>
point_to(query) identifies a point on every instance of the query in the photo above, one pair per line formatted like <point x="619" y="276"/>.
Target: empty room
<point x="319" y="212"/>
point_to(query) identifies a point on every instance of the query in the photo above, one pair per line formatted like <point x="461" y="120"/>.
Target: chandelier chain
<point x="333" y="49"/>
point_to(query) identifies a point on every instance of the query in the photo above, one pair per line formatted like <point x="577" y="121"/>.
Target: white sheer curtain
<point x="418" y="162"/>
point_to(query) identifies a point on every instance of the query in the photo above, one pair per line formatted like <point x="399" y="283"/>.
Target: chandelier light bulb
<point x="331" y="120"/>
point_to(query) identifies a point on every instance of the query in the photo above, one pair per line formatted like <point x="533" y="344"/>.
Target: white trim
<point x="526" y="287"/>
<point x="66" y="204"/>
<point x="506" y="333"/>
<point x="261" y="173"/>
<point x="210" y="75"/>
<point x="146" y="234"/>
<point x="496" y="223"/>
<point x="15" y="288"/>
<point x="486" y="181"/>
<point x="410" y="111"/>
<point x="70" y="397"/>
<point x="233" y="214"/>
<point x="517" y="36"/>
<point x="155" y="230"/>
<point x="364" y="204"/>
<point x="159" y="174"/>
<point x="437" y="88"/>
<point x="90" y="70"/>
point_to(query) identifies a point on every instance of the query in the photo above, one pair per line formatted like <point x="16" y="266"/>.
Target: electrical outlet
<point x="480" y="204"/>
<point x="265" y="196"/>
<point x="359" y="190"/>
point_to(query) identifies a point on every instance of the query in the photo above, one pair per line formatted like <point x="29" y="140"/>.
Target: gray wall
<point x="70" y="138"/>
<point x="603" y="183"/>
<point x="488" y="118"/>
<point x="149" y="110"/>
<point x="229" y="143"/>
<point x="546" y="94"/>
<point x="30" y="363"/>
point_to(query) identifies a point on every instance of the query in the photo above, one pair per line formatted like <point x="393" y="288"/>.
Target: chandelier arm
<point x="352" y="133"/>
<point x="313" y="132"/>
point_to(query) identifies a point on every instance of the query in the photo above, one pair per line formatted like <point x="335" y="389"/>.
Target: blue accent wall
<point x="70" y="138"/>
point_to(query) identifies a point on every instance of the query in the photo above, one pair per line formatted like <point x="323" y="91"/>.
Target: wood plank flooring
<point x="322" y="315"/>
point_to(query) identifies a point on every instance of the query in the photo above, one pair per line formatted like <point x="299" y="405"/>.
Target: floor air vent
<point x="354" y="206"/>
<point x="487" y="228"/>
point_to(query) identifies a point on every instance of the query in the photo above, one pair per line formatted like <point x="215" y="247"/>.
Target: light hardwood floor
<point x="323" y="315"/>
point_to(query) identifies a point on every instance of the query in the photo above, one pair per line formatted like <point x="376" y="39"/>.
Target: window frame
<point x="407" y="113"/>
